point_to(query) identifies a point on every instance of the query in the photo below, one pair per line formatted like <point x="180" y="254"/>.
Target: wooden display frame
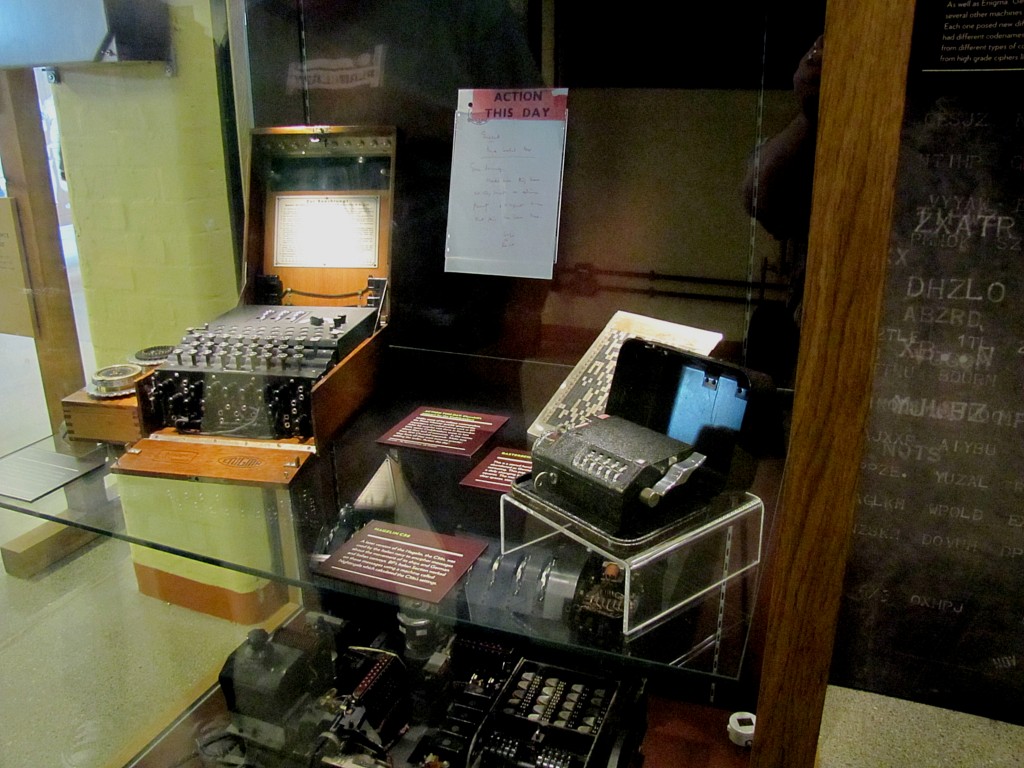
<point x="862" y="96"/>
<point x="868" y="44"/>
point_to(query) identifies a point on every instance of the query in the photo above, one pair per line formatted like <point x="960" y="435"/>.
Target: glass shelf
<point x="210" y="530"/>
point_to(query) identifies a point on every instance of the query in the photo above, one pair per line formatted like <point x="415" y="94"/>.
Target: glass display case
<point x="708" y="553"/>
<point x="147" y="155"/>
<point x="651" y="222"/>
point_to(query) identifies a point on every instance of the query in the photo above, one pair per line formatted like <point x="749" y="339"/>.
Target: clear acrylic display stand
<point x="660" y="573"/>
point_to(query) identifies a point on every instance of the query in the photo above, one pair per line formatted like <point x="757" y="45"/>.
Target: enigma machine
<point x="251" y="372"/>
<point x="296" y="357"/>
<point x="247" y="402"/>
<point x="249" y="396"/>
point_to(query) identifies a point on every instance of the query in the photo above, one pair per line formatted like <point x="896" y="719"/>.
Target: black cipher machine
<point x="399" y="689"/>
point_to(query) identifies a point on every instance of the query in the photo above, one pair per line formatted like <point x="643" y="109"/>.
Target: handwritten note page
<point x="506" y="186"/>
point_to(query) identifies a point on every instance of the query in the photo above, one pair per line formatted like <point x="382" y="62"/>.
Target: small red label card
<point x="444" y="430"/>
<point x="499" y="470"/>
<point x="404" y="561"/>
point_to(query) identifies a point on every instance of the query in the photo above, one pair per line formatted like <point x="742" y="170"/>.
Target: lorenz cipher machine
<point x="377" y="692"/>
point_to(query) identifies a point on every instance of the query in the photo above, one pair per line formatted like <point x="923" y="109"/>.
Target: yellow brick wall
<point x="144" y="159"/>
<point x="228" y="522"/>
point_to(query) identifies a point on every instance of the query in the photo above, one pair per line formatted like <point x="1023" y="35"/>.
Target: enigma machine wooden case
<point x="298" y="356"/>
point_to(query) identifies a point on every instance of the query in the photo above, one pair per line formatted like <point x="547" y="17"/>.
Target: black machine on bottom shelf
<point x="348" y="694"/>
<point x="548" y="716"/>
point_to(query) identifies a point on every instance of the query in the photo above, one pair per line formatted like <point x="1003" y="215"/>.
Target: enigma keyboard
<point x="250" y="372"/>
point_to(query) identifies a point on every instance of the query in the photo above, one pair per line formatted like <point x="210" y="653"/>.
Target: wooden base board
<point x="33" y="552"/>
<point x="266" y="464"/>
<point x="239" y="607"/>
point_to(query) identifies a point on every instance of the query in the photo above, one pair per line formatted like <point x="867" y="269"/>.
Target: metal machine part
<point x="268" y="680"/>
<point x="417" y="621"/>
<point x="151" y="356"/>
<point x="548" y="716"/>
<point x="295" y="698"/>
<point x="114" y="381"/>
<point x="613" y="472"/>
<point x="354" y="761"/>
<point x="525" y="587"/>
<point x="477" y="670"/>
<point x="335" y="693"/>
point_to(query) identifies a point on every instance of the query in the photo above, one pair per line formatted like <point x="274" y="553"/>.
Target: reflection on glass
<point x="777" y="191"/>
<point x="651" y="221"/>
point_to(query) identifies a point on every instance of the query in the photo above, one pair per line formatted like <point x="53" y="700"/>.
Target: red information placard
<point x="444" y="430"/>
<point x="499" y="470"/>
<point x="403" y="561"/>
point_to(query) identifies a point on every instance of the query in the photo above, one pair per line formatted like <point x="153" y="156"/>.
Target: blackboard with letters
<point x="933" y="606"/>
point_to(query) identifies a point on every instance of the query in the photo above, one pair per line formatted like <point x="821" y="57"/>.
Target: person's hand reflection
<point x="807" y="79"/>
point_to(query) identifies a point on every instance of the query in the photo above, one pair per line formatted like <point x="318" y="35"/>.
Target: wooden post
<point x="27" y="170"/>
<point x="867" y="44"/>
<point x="23" y="149"/>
